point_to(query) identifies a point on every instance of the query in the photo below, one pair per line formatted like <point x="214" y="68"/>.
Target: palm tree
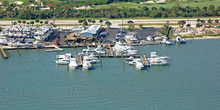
<point x="85" y="23"/>
<point x="46" y="22"/>
<point x="93" y="21"/>
<point x="24" y="22"/>
<point x="101" y="21"/>
<point x="80" y="21"/>
<point x="28" y="23"/>
<point x="19" y="22"/>
<point x="32" y="23"/>
<point x="210" y="22"/>
<point x="15" y="23"/>
<point x="41" y="22"/>
<point x="89" y="20"/>
<point x="37" y="21"/>
<point x="108" y="24"/>
<point x="182" y="23"/>
<point x="216" y="21"/>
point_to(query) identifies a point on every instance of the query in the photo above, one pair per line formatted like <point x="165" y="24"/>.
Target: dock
<point x="4" y="53"/>
<point x="110" y="52"/>
<point x="145" y="61"/>
<point x="79" y="60"/>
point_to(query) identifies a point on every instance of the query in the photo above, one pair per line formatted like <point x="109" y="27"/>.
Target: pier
<point x="4" y="53"/>
<point x="145" y="61"/>
<point x="79" y="60"/>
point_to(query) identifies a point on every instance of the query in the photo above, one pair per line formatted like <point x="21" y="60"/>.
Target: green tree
<point x="19" y="22"/>
<point x="89" y="20"/>
<point x="15" y="23"/>
<point x="210" y="22"/>
<point x="24" y="22"/>
<point x="37" y="21"/>
<point x="182" y="23"/>
<point x="85" y="23"/>
<point x="141" y="25"/>
<point x="1" y="29"/>
<point x="101" y="21"/>
<point x="28" y="23"/>
<point x="46" y="22"/>
<point x="108" y="24"/>
<point x="32" y="23"/>
<point x="216" y="21"/>
<point x="41" y="22"/>
<point x="80" y="21"/>
<point x="93" y="21"/>
<point x="198" y="25"/>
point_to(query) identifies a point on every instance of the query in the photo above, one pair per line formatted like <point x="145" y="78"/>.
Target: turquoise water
<point x="30" y="79"/>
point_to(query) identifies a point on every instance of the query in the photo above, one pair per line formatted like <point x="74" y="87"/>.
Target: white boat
<point x="91" y="58"/>
<point x="54" y="50"/>
<point x="63" y="61"/>
<point x="129" y="59"/>
<point x="122" y="49"/>
<point x="134" y="61"/>
<point x="73" y="64"/>
<point x="166" y="42"/>
<point x="154" y="55"/>
<point x="180" y="40"/>
<point x="3" y="41"/>
<point x="100" y="50"/>
<point x="150" y="38"/>
<point x="88" y="51"/>
<point x="158" y="62"/>
<point x="87" y="65"/>
<point x="139" y="65"/>
<point x="65" y="56"/>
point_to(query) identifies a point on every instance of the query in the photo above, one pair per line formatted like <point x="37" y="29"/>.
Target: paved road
<point x="115" y="23"/>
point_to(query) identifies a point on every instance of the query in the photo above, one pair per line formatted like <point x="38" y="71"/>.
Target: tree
<point x="41" y="22"/>
<point x="101" y="21"/>
<point x="19" y="22"/>
<point x="141" y="25"/>
<point x="108" y="24"/>
<point x="32" y="23"/>
<point x="46" y="22"/>
<point x="85" y="23"/>
<point x="216" y="21"/>
<point x="89" y="20"/>
<point x="166" y="29"/>
<point x="182" y="23"/>
<point x="80" y="21"/>
<point x="28" y="23"/>
<point x="198" y="25"/>
<point x="14" y="23"/>
<point x="24" y="22"/>
<point x="93" y="21"/>
<point x="188" y="25"/>
<point x="198" y="20"/>
<point x="210" y="22"/>
<point x="0" y="29"/>
<point x="30" y="1"/>
<point x="37" y="21"/>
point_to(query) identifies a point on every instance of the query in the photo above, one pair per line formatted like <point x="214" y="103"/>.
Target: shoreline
<point x="200" y="38"/>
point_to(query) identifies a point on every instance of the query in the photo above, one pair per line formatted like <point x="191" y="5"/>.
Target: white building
<point x="92" y="31"/>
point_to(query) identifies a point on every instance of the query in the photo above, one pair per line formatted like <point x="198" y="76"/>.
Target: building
<point x="92" y="31"/>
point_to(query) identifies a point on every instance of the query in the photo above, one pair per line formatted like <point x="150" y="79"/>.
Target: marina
<point x="185" y="82"/>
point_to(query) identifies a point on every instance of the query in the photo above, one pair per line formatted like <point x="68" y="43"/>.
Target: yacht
<point x="73" y="64"/>
<point x="165" y="41"/>
<point x="65" y="56"/>
<point x="100" y="50"/>
<point x="3" y="41"/>
<point x="139" y="65"/>
<point x="129" y="59"/>
<point x="180" y="40"/>
<point x="158" y="62"/>
<point x="150" y="38"/>
<point x="122" y="49"/>
<point x="91" y="58"/>
<point x="87" y="65"/>
<point x="88" y="51"/>
<point x="63" y="61"/>
<point x="134" y="61"/>
<point x="154" y="55"/>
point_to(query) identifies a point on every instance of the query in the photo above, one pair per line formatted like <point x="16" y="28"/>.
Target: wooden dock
<point x="145" y="61"/>
<point x="79" y="60"/>
<point x="110" y="52"/>
<point x="4" y="53"/>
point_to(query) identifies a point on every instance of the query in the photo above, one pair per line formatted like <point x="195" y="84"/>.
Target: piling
<point x="4" y="53"/>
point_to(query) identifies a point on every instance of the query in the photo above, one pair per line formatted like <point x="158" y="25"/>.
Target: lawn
<point x="196" y="3"/>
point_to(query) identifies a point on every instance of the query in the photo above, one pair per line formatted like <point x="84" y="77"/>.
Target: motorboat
<point x="154" y="55"/>
<point x="139" y="65"/>
<point x="180" y="40"/>
<point x="73" y="64"/>
<point x="87" y="65"/>
<point x="88" y="51"/>
<point x="65" y="56"/>
<point x="165" y="41"/>
<point x="129" y="59"/>
<point x="122" y="49"/>
<point x="54" y="50"/>
<point x="63" y="61"/>
<point x="158" y="62"/>
<point x="134" y="61"/>
<point x="100" y="50"/>
<point x="150" y="38"/>
<point x="3" y="41"/>
<point x="91" y="58"/>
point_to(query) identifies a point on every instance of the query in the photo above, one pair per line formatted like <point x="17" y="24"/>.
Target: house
<point x="92" y="31"/>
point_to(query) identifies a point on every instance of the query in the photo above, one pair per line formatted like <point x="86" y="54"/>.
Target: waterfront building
<point x="92" y="31"/>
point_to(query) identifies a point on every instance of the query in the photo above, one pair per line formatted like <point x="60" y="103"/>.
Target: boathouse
<point x="92" y="31"/>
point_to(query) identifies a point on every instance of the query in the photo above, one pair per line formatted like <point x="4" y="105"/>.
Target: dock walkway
<point x="145" y="61"/>
<point x="79" y="60"/>
<point x="4" y="53"/>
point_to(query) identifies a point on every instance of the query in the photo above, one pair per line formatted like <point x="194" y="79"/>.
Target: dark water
<point x="30" y="79"/>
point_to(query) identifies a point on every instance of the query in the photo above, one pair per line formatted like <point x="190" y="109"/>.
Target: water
<point x="30" y="79"/>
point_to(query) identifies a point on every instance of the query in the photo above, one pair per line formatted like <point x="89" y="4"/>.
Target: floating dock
<point x="4" y="53"/>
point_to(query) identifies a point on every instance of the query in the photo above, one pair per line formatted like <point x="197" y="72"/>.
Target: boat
<point x="87" y="65"/>
<point x="3" y="41"/>
<point x="88" y="51"/>
<point x="150" y="38"/>
<point x="165" y="41"/>
<point x="158" y="62"/>
<point x="54" y="50"/>
<point x="100" y="50"/>
<point x="63" y="61"/>
<point x="139" y="65"/>
<point x="154" y="55"/>
<point x="91" y="58"/>
<point x="129" y="59"/>
<point x="73" y="64"/>
<point x="180" y="40"/>
<point x="134" y="61"/>
<point x="122" y="49"/>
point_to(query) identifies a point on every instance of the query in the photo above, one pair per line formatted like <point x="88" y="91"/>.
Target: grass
<point x="194" y="3"/>
<point x="213" y="35"/>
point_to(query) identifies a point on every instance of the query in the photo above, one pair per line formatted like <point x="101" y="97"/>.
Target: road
<point x="116" y="23"/>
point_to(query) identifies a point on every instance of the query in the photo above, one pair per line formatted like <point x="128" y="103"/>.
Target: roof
<point x="71" y="37"/>
<point x="92" y="29"/>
